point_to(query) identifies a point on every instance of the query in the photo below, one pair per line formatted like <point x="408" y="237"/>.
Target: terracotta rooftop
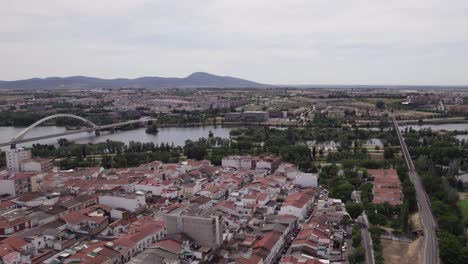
<point x="268" y="240"/>
<point x="170" y="245"/>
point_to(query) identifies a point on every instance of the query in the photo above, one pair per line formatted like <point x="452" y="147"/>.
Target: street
<point x="365" y="234"/>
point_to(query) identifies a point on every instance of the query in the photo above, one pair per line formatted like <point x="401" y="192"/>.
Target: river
<point x="176" y="135"/>
<point x="436" y="127"/>
<point x="447" y="127"/>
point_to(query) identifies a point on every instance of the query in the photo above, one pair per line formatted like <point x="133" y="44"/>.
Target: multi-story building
<point x="268" y="162"/>
<point x="89" y="221"/>
<point x="297" y="204"/>
<point x="269" y="247"/>
<point x="248" y="116"/>
<point x="128" y="201"/>
<point x="79" y="202"/>
<point x="17" y="183"/>
<point x="14" y="158"/>
<point x="238" y="162"/>
<point x="334" y="209"/>
<point x="156" y="187"/>
<point x="205" y="230"/>
<point x="36" y="165"/>
<point x="13" y="221"/>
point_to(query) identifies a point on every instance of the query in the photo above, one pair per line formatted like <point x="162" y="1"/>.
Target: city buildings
<point x="250" y="210"/>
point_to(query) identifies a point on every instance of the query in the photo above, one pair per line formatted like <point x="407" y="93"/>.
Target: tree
<point x="404" y="217"/>
<point x="450" y="248"/>
<point x="2" y="159"/>
<point x="106" y="161"/>
<point x="389" y="153"/>
<point x="195" y="150"/>
<point x="63" y="142"/>
<point x="342" y="191"/>
<point x="357" y="237"/>
<point x="380" y="104"/>
<point x="153" y="129"/>
<point x="354" y="209"/>
<point x="358" y="255"/>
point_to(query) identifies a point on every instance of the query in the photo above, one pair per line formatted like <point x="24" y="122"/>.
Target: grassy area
<point x="463" y="204"/>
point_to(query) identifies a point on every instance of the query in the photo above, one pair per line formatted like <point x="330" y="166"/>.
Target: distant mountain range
<point x="195" y="80"/>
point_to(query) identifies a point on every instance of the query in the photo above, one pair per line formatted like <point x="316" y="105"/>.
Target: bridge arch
<point x="45" y="119"/>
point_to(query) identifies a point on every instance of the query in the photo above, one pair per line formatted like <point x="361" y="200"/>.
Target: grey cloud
<point x="284" y="41"/>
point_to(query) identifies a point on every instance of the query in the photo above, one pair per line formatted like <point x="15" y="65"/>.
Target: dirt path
<point x="395" y="252"/>
<point x="415" y="221"/>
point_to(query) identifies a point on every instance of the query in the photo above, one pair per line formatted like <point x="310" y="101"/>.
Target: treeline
<point x="375" y="233"/>
<point x="359" y="253"/>
<point x="215" y="149"/>
<point x="2" y="159"/>
<point x="102" y="117"/>
<point x="439" y="158"/>
<point x="109" y="154"/>
<point x="289" y="143"/>
<point x="19" y="118"/>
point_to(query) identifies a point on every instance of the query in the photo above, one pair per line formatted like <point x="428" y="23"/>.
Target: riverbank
<point x="427" y="121"/>
<point x="436" y="121"/>
<point x="170" y="135"/>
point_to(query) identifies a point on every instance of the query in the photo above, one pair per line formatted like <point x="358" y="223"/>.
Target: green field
<point x="463" y="204"/>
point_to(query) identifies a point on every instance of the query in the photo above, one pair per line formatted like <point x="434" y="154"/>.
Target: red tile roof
<point x="387" y="187"/>
<point x="15" y="242"/>
<point x="383" y="173"/>
<point x="227" y="204"/>
<point x="170" y="245"/>
<point x="299" y="199"/>
<point x="268" y="241"/>
<point x="5" y="250"/>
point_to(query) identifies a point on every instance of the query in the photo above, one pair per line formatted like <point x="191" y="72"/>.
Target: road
<point x="365" y="234"/>
<point x="366" y="239"/>
<point x="431" y="249"/>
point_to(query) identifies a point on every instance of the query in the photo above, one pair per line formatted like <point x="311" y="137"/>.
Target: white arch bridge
<point x="20" y="138"/>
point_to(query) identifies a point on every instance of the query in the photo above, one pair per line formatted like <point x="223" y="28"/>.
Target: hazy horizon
<point x="305" y="85"/>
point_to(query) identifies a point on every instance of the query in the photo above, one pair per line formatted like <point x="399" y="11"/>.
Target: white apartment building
<point x="14" y="158"/>
<point x="131" y="202"/>
<point x="306" y="180"/>
<point x="238" y="162"/>
<point x="36" y="165"/>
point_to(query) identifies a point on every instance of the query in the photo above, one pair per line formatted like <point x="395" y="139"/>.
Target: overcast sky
<point x="269" y="41"/>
